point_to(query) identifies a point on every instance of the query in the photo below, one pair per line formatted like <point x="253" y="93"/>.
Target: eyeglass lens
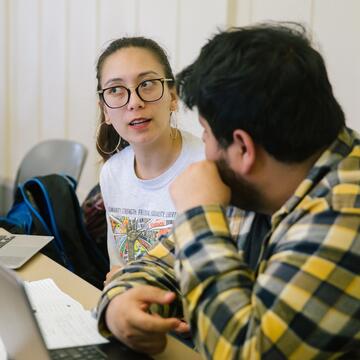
<point x="148" y="90"/>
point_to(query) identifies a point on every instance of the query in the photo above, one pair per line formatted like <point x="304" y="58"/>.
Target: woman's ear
<point x="242" y="152"/>
<point x="105" y="112"/>
<point x="174" y="100"/>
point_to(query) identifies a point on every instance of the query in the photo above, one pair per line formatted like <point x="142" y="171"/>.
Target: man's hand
<point x="200" y="184"/>
<point x="128" y="319"/>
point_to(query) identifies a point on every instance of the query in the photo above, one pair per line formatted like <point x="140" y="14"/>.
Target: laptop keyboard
<point x="4" y="239"/>
<point x="80" y="352"/>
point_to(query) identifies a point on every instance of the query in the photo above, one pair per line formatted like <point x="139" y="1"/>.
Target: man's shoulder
<point x="344" y="181"/>
<point x="338" y="171"/>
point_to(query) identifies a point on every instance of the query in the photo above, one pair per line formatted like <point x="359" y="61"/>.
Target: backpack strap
<point x="57" y="204"/>
<point x="20" y="213"/>
<point x="47" y="218"/>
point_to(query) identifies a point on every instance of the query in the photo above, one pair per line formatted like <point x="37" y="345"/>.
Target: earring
<point x="174" y="126"/>
<point x="97" y="141"/>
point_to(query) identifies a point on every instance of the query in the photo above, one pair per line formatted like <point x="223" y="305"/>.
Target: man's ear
<point x="242" y="152"/>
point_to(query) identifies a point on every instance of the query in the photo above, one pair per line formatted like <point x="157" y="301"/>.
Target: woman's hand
<point x="110" y="274"/>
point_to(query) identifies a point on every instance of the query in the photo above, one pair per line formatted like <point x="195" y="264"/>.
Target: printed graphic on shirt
<point x="134" y="236"/>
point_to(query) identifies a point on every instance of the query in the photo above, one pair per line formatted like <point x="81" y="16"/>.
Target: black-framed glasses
<point x="148" y="90"/>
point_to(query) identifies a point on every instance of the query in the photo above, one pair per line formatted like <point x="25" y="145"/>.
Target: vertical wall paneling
<point x="48" y="52"/>
<point x="243" y="13"/>
<point x="116" y="18"/>
<point x="3" y="89"/>
<point x="24" y="77"/>
<point x="53" y="69"/>
<point x="157" y="19"/>
<point x="199" y="20"/>
<point x="231" y="12"/>
<point x="337" y="30"/>
<point x="81" y="85"/>
<point x="281" y="10"/>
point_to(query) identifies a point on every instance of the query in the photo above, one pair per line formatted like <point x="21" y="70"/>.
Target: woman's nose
<point x="135" y="102"/>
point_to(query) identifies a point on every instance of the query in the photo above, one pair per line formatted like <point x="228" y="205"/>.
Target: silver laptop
<point x="15" y="250"/>
<point x="22" y="337"/>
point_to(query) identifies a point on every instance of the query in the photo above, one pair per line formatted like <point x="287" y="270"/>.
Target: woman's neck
<point x="154" y="159"/>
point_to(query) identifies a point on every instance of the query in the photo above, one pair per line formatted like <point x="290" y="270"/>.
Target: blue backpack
<point x="48" y="205"/>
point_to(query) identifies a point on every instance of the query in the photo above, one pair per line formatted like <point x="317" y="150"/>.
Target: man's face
<point x="213" y="151"/>
<point x="243" y="193"/>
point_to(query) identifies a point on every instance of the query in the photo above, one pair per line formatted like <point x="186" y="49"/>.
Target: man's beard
<point x="244" y="195"/>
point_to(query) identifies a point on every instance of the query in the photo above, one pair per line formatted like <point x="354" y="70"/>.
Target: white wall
<point x="48" y="52"/>
<point x="338" y="35"/>
<point x="335" y="26"/>
<point x="3" y="89"/>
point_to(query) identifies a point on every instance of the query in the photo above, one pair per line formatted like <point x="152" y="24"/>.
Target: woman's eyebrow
<point x="110" y="81"/>
<point x="150" y="72"/>
<point x="139" y="76"/>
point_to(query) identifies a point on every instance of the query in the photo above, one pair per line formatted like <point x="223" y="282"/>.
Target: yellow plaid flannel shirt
<point x="303" y="300"/>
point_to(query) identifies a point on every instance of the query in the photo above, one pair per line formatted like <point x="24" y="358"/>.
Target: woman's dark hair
<point x="107" y="138"/>
<point x="268" y="81"/>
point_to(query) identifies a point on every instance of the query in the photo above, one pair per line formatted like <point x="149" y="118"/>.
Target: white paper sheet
<point x="62" y="320"/>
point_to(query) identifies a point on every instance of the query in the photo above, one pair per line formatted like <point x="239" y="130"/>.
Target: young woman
<point x="143" y="153"/>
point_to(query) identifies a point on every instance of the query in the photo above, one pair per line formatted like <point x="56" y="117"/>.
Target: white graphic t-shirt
<point x="139" y="211"/>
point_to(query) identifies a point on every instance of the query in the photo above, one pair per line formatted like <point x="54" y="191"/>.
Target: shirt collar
<point x="338" y="150"/>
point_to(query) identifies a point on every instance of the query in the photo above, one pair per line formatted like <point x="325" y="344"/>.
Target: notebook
<point x="15" y="250"/>
<point x="22" y="336"/>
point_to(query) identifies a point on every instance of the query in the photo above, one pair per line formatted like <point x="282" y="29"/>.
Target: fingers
<point x="127" y="318"/>
<point x="190" y="188"/>
<point x="154" y="323"/>
<point x="148" y="333"/>
<point x="110" y="274"/>
<point x="149" y="344"/>
<point x="182" y="328"/>
<point x="151" y="294"/>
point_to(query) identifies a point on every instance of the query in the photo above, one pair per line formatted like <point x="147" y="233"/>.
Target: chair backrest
<point x="52" y="156"/>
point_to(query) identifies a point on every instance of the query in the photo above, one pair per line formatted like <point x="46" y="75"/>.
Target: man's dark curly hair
<point x="270" y="82"/>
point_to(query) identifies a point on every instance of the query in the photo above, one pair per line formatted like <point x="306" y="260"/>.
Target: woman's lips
<point x="139" y="123"/>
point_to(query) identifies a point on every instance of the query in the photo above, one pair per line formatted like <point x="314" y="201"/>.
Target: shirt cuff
<point x="105" y="299"/>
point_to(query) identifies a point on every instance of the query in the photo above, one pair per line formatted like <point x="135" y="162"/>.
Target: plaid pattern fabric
<point x="303" y="302"/>
<point x="157" y="269"/>
<point x="303" y="299"/>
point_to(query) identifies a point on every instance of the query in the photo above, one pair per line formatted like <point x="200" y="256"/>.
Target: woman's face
<point x="138" y="122"/>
